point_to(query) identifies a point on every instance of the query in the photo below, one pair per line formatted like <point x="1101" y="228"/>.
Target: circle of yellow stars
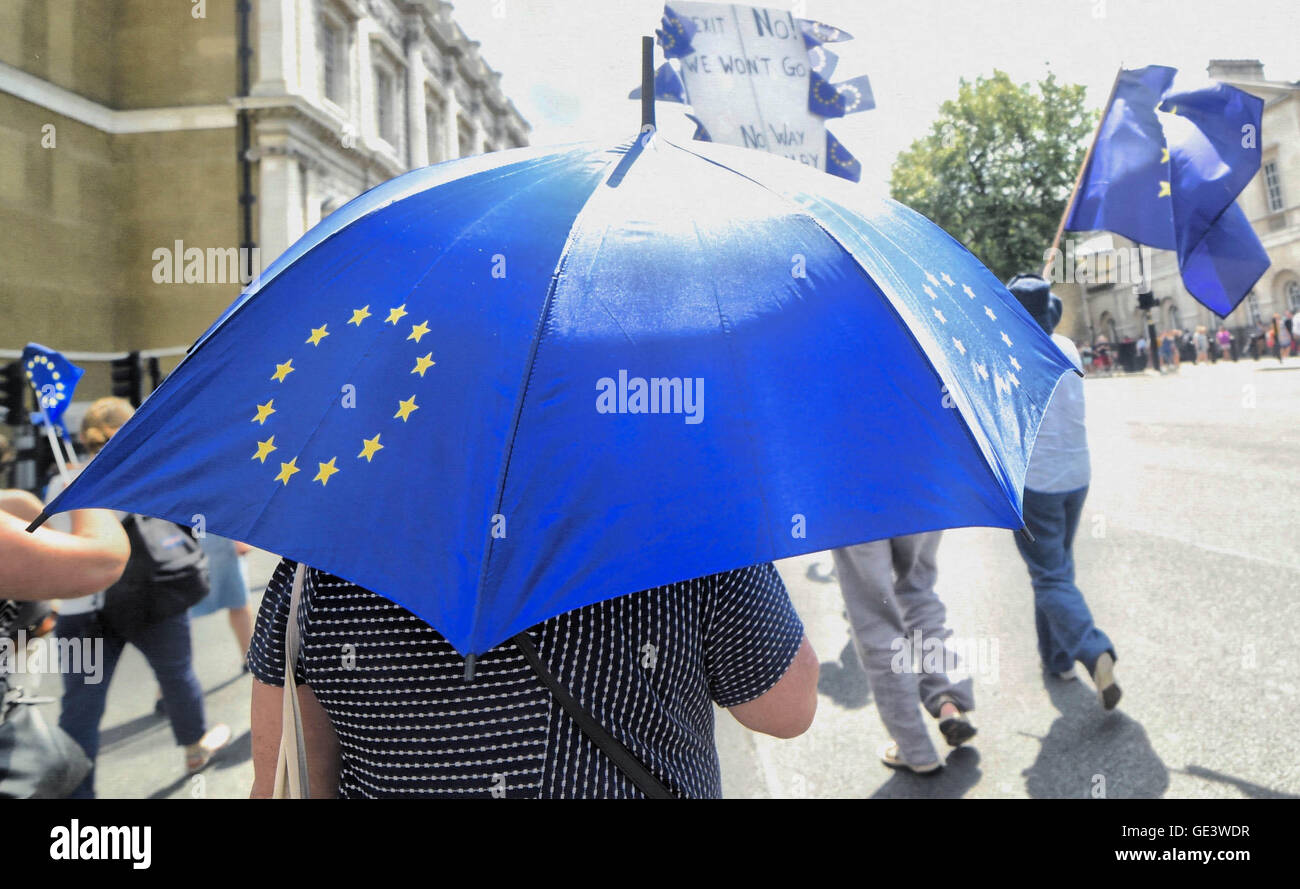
<point x="369" y="446"/>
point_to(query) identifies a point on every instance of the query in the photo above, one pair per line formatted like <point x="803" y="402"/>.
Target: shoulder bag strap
<point x="291" y="766"/>
<point x="635" y="770"/>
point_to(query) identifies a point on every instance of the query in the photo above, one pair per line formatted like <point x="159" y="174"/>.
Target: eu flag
<point x="1166" y="170"/>
<point x="53" y="377"/>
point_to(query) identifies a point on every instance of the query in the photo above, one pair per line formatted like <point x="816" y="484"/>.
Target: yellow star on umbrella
<point x="1164" y="155"/>
<point x="318" y="334"/>
<point x="395" y="314"/>
<point x="264" y="448"/>
<point x="283" y="370"/>
<point x="404" y="408"/>
<point x="264" y="411"/>
<point x="1164" y="190"/>
<point x="326" y="470"/>
<point x="287" y="470"/>
<point x="418" y="330"/>
<point x="369" y="446"/>
<point x="359" y="315"/>
<point x="423" y="364"/>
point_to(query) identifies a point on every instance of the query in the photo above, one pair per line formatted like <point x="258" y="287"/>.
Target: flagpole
<point x="1083" y="168"/>
<point x="54" y="446"/>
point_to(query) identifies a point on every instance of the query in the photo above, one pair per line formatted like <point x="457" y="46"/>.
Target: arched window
<point x="1293" y="295"/>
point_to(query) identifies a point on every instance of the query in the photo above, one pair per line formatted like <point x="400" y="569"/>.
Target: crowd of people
<point x="1279" y="339"/>
<point x="397" y="717"/>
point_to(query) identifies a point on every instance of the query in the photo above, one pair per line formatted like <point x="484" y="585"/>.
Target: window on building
<point x="1252" y="309"/>
<point x="1293" y="295"/>
<point x="433" y="133"/>
<point x="1273" y="185"/>
<point x="333" y="62"/>
<point x="385" y="100"/>
<point x="466" y="139"/>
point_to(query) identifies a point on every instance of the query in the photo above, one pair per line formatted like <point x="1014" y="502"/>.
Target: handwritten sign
<point x="748" y="80"/>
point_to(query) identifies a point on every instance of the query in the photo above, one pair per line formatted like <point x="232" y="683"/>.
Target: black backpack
<point x="166" y="574"/>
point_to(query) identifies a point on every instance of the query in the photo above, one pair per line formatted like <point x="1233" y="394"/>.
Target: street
<point x="1188" y="553"/>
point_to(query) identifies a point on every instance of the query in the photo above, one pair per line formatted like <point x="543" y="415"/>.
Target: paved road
<point x="1189" y="552"/>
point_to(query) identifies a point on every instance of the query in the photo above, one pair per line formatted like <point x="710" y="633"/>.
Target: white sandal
<point x="889" y="755"/>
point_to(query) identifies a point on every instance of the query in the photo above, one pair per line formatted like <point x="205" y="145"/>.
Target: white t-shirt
<point x="1060" y="462"/>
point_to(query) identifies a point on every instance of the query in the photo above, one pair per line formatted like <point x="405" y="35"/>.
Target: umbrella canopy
<point x="508" y="386"/>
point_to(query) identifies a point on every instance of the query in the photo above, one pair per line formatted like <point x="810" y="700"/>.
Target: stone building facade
<point x="143" y="145"/>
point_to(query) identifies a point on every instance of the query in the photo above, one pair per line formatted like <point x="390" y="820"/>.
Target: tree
<point x="997" y="167"/>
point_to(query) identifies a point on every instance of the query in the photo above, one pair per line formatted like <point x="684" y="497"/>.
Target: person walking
<point x="164" y="639"/>
<point x="1225" y="344"/>
<point x="1056" y="486"/>
<point x="896" y="621"/>
<point x="1202" y="346"/>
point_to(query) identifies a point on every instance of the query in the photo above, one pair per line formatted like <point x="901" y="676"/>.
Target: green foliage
<point x="997" y="167"/>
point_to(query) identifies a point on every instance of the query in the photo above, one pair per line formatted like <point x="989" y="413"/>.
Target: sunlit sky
<point x="569" y="64"/>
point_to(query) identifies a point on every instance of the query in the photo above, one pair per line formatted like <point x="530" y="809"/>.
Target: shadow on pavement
<point x="238" y="752"/>
<point x="960" y="773"/>
<point x="1253" y="791"/>
<point x="1091" y="753"/>
<point x="814" y="575"/>
<point x="844" y="681"/>
<point x="126" y="730"/>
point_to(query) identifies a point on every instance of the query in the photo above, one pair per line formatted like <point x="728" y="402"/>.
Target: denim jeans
<point x="166" y="646"/>
<point x="1066" y="632"/>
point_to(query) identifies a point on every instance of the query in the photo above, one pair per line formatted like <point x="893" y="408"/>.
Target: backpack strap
<point x="632" y="767"/>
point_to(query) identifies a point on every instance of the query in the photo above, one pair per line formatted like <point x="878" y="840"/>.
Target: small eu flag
<point x="1166" y="170"/>
<point x="53" y="378"/>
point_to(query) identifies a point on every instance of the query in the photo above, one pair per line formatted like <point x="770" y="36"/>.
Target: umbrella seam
<point x="539" y="333"/>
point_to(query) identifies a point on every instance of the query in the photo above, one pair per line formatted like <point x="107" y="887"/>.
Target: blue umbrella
<point x="504" y="387"/>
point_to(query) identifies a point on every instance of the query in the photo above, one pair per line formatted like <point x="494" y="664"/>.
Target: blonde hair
<point x="102" y="419"/>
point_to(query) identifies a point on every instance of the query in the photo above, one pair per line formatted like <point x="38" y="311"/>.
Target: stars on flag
<point x="264" y="448"/>
<point x="423" y="364"/>
<point x="369" y="446"/>
<point x="418" y="330"/>
<point x="283" y="370"/>
<point x="405" y="408"/>
<point x="325" y="471"/>
<point x="287" y="470"/>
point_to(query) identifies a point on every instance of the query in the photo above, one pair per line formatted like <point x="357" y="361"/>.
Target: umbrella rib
<point x="538" y="333"/>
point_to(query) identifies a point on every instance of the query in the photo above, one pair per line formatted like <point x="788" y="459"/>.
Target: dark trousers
<point x="1066" y="632"/>
<point x="166" y="646"/>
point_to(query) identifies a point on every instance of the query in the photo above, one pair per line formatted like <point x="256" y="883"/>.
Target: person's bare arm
<point x="50" y="564"/>
<point x="318" y="734"/>
<point x="785" y="710"/>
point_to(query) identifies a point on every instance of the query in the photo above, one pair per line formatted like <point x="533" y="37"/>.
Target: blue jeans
<point x="1065" y="629"/>
<point x="166" y="645"/>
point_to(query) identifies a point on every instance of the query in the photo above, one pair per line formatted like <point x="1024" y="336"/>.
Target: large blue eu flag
<point x="1166" y="170"/>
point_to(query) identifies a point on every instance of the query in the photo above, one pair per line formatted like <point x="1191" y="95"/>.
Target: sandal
<point x="889" y="755"/>
<point x="956" y="730"/>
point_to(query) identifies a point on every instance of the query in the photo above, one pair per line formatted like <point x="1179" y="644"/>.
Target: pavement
<point x="1188" y="553"/>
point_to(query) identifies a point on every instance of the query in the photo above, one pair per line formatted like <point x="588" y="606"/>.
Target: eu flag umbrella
<point x="507" y="386"/>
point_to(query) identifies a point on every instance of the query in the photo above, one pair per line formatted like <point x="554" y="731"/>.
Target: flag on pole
<point x="53" y="378"/>
<point x="1166" y="170"/>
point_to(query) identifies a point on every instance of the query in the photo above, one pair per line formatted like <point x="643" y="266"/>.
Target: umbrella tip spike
<point x="38" y="521"/>
<point x="469" y="667"/>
